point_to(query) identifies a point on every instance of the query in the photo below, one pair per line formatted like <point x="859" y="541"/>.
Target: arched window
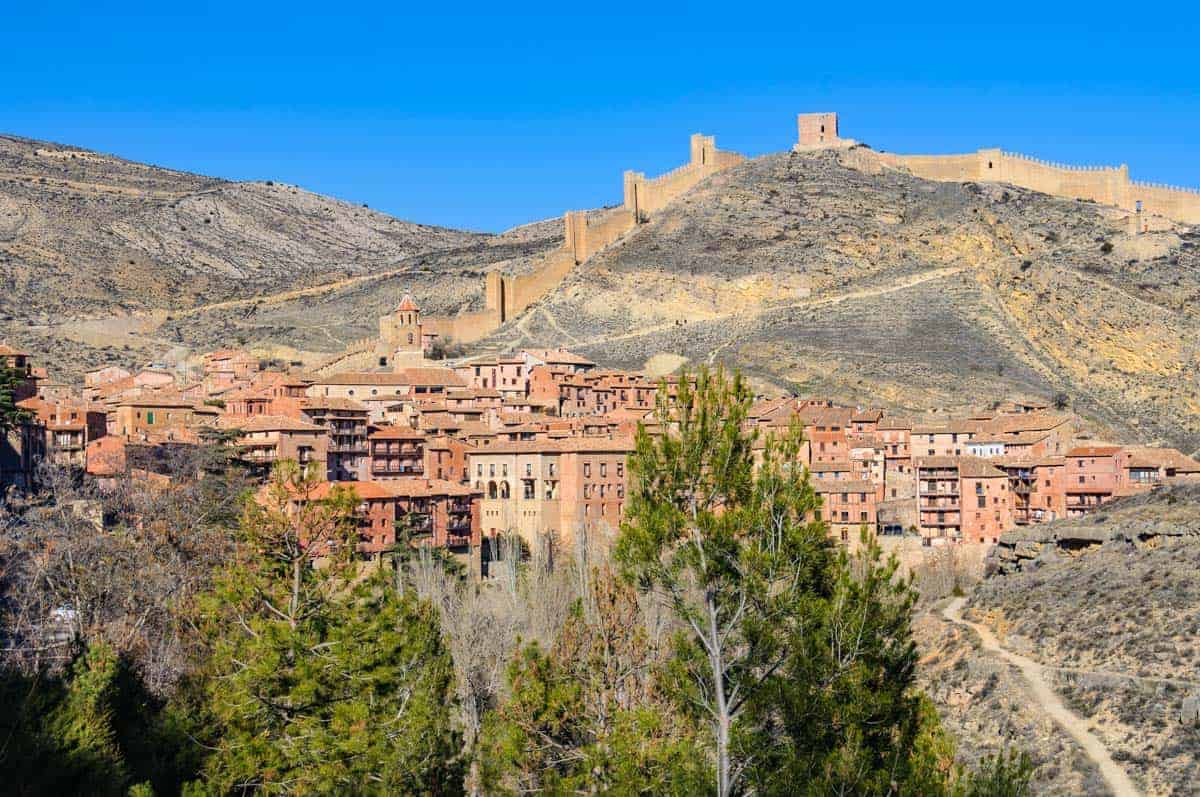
<point x="504" y="490"/>
<point x="491" y="489"/>
<point x="410" y="338"/>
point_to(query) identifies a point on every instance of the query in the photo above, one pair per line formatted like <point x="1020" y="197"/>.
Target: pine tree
<point x="799" y="660"/>
<point x="731" y="547"/>
<point x="319" y="680"/>
<point x="11" y="416"/>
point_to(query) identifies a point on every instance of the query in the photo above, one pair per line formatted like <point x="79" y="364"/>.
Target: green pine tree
<point x="731" y="547"/>
<point x="320" y="681"/>
<point x="11" y="416"/>
<point x="798" y="659"/>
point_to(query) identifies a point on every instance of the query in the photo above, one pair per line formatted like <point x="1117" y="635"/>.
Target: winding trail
<point x="1072" y="723"/>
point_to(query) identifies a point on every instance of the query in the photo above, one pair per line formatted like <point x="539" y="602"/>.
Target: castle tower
<point x="817" y="129"/>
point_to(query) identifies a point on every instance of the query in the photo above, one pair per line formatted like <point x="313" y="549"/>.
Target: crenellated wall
<point x="1109" y="185"/>
<point x="645" y="196"/>
<point x="507" y="296"/>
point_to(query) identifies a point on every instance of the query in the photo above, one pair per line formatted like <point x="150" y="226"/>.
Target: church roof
<point x="408" y="304"/>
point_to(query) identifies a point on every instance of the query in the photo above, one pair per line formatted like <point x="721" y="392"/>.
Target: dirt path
<point x="1050" y="702"/>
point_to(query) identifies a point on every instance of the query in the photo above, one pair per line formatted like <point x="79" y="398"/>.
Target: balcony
<point x="348" y="448"/>
<point x="387" y="470"/>
<point x="939" y="493"/>
<point x="259" y="455"/>
<point x="459" y="526"/>
<point x="393" y="450"/>
<point x="458" y="540"/>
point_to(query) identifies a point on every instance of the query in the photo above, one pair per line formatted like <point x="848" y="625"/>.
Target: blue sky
<point x="486" y="116"/>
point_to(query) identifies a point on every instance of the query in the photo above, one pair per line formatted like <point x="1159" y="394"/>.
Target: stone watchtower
<point x="817" y="129"/>
<point x="820" y="131"/>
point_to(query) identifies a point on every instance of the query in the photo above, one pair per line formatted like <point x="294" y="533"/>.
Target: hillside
<point x="883" y="287"/>
<point x="97" y="252"/>
<point x="1109" y="608"/>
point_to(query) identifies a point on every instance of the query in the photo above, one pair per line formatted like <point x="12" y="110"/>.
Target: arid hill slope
<point x="81" y="231"/>
<point x="88" y="239"/>
<point x="1115" y="626"/>
<point x="887" y="288"/>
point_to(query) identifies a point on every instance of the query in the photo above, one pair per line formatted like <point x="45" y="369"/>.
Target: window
<point x="528" y="468"/>
<point x="620" y="469"/>
<point x="982" y="502"/>
<point x="603" y="469"/>
<point x="587" y="470"/>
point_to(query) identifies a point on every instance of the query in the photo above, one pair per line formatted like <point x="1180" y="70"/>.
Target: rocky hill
<point x="1109" y="606"/>
<point x="98" y="254"/>
<point x="885" y="287"/>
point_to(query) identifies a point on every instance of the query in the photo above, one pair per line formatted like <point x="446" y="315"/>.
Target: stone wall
<point x="1109" y="185"/>
<point x="507" y="296"/>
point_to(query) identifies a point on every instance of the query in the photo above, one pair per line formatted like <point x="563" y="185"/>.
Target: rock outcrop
<point x="1116" y="526"/>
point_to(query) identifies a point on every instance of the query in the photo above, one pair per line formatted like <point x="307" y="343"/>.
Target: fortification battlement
<point x="1067" y="167"/>
<point x="1109" y="185"/>
<point x="1165" y="187"/>
<point x="505" y="296"/>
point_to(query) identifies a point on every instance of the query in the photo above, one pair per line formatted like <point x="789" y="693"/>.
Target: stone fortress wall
<point x="506" y="296"/>
<point x="1109" y="185"/>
